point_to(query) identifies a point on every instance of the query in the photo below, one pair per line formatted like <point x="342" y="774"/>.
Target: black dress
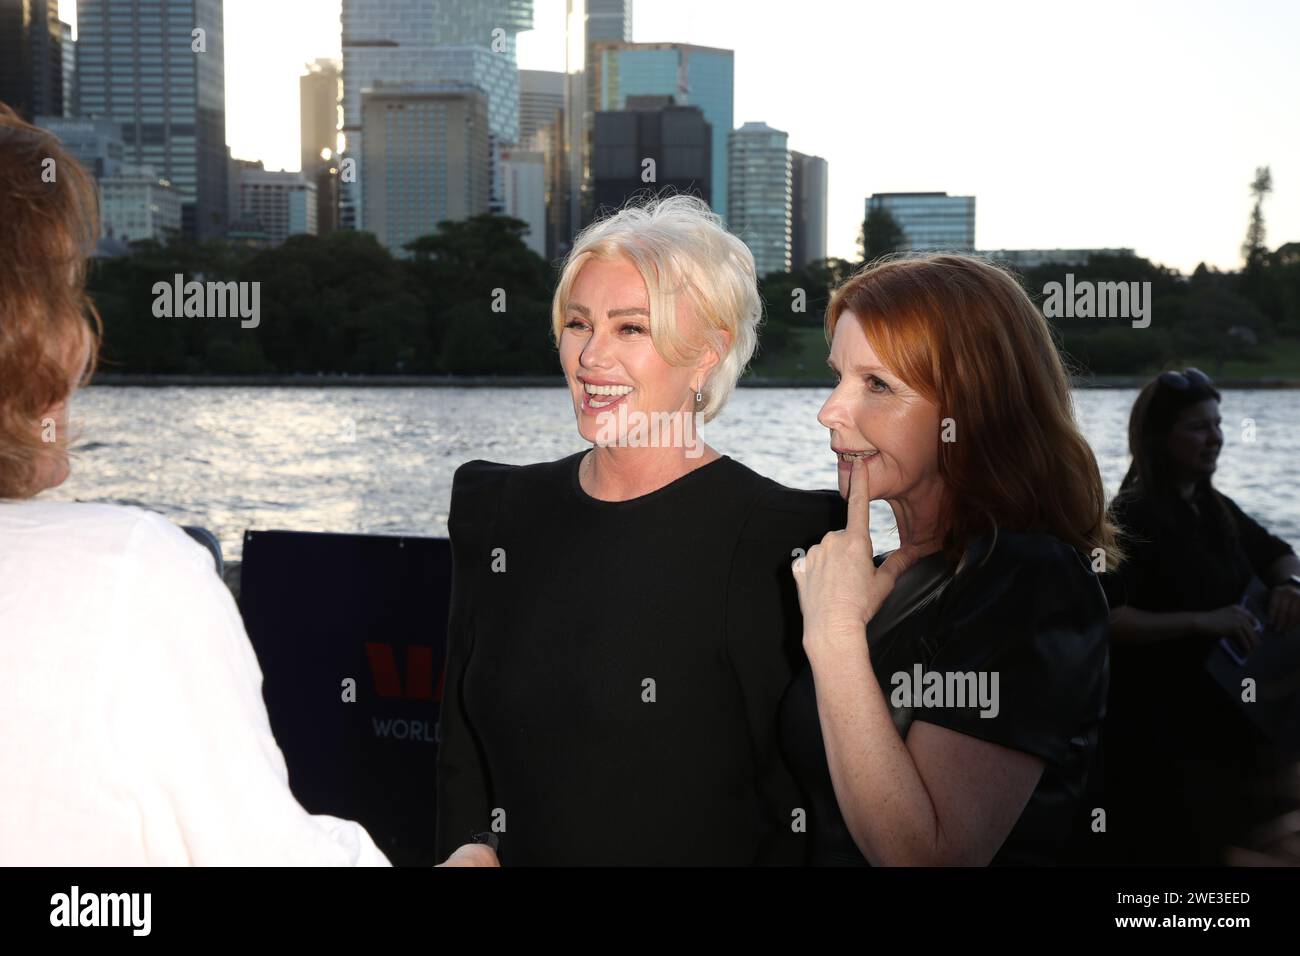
<point x="1175" y="748"/>
<point x="614" y="668"/>
<point x="1026" y="606"/>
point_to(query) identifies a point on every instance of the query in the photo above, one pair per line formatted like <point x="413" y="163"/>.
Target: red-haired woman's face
<point x="1196" y="439"/>
<point x="875" y="412"/>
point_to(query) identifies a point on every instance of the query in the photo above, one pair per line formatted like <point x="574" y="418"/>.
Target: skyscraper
<point x="609" y="21"/>
<point x="588" y="22"/>
<point x="158" y="70"/>
<point x="541" y="103"/>
<point x="651" y="134"/>
<point x="808" y="209"/>
<point x="428" y="42"/>
<point x="691" y="75"/>
<point x="426" y="158"/>
<point x="68" y="49"/>
<point x="524" y="175"/>
<point x="760" y="195"/>
<point x="31" y="57"/>
<point x="318" y="110"/>
<point x="541" y="130"/>
<point x="319" y="90"/>
<point x="931" y="222"/>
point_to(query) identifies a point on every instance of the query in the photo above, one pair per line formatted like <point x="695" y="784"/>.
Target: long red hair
<point x="963" y="333"/>
<point x="49" y="223"/>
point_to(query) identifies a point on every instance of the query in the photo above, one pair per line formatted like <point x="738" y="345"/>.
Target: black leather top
<point x="1027" y="606"/>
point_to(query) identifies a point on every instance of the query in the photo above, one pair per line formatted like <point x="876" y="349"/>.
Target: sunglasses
<point x="1185" y="379"/>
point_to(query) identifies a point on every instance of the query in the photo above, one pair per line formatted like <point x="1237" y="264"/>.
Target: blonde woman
<point x="623" y="621"/>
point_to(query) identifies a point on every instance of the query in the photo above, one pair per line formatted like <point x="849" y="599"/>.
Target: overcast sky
<point x="1134" y="124"/>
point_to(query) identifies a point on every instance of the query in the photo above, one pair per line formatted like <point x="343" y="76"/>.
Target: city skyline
<point x="1133" y="127"/>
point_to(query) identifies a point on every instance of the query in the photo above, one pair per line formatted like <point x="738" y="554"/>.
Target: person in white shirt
<point x="132" y="725"/>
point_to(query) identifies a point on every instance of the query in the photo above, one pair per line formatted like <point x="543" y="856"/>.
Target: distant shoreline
<point x="113" y="380"/>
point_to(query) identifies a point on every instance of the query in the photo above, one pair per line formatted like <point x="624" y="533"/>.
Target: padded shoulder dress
<point x="615" y="667"/>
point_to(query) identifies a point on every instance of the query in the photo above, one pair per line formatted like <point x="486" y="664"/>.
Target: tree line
<point x="473" y="299"/>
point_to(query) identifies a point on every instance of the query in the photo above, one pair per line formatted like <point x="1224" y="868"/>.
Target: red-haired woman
<point x="954" y="692"/>
<point x="132" y="726"/>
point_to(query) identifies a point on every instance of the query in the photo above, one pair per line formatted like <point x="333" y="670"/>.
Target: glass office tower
<point x="761" y="194"/>
<point x="692" y="75"/>
<point x="424" y="42"/>
<point x="931" y="222"/>
<point x="136" y="66"/>
<point x="31" y="58"/>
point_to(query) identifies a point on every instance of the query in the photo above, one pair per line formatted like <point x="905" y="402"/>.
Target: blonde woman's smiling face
<point x="606" y="351"/>
<point x="875" y="414"/>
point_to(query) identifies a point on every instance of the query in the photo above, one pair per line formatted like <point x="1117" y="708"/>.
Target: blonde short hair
<point x="680" y="247"/>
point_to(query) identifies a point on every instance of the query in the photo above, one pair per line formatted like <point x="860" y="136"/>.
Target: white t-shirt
<point x="132" y="726"/>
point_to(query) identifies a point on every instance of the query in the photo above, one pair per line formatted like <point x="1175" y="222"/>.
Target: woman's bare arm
<point x="938" y="798"/>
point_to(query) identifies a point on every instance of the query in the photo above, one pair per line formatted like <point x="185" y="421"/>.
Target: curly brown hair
<point x="49" y="329"/>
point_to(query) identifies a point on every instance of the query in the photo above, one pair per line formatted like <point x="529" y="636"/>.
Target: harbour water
<point x="381" y="460"/>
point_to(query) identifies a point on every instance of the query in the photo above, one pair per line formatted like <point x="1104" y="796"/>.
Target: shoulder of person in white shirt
<point x="179" y="684"/>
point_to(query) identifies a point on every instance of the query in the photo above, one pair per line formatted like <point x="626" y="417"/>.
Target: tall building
<point x="426" y="159"/>
<point x="609" y="21"/>
<point x="429" y="42"/>
<point x="137" y="66"/>
<point x="524" y="176"/>
<point x="808" y="209"/>
<point x="31" y="57"/>
<point x="283" y="204"/>
<point x="691" y="75"/>
<point x="319" y="91"/>
<point x="587" y="23"/>
<point x="68" y="48"/>
<point x="96" y="144"/>
<point x="651" y="130"/>
<point x="135" y="203"/>
<point x="760" y="195"/>
<point x="931" y="222"/>
<point x="541" y="103"/>
<point x="541" y="129"/>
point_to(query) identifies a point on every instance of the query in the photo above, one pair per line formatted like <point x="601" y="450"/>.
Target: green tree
<point x="481" y="268"/>
<point x="1254" y="247"/>
<point x="880" y="235"/>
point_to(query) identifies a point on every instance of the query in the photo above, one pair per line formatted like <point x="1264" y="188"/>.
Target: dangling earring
<point x="699" y="396"/>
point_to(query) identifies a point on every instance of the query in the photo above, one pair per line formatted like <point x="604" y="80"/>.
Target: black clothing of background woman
<point x="1181" y="758"/>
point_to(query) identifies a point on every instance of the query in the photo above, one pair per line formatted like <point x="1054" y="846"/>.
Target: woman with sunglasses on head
<point x="953" y="406"/>
<point x="1175" y="746"/>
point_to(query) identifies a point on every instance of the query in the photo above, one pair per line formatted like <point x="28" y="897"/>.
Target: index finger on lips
<point x="859" y="521"/>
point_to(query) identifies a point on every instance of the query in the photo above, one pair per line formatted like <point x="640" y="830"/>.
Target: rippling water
<point x="380" y="461"/>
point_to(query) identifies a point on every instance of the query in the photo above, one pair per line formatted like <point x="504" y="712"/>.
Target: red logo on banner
<point x="419" y="672"/>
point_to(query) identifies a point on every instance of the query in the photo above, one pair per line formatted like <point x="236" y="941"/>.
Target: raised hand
<point x="840" y="587"/>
